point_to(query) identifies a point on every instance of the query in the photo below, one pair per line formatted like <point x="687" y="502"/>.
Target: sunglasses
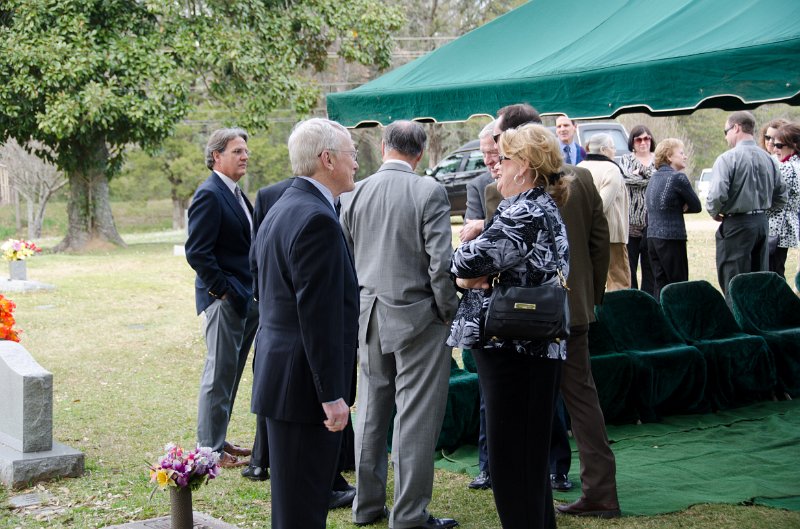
<point x="725" y="131"/>
<point x="779" y="145"/>
<point x="503" y="158"/>
<point x="642" y="139"/>
<point x="767" y="138"/>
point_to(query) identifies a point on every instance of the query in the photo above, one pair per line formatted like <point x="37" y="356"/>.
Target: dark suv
<point x="456" y="170"/>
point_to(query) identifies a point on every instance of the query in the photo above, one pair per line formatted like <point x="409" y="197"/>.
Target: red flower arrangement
<point x="7" y="331"/>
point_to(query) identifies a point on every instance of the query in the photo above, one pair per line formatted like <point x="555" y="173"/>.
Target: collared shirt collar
<point x="227" y="181"/>
<point x="322" y="189"/>
<point x="401" y="162"/>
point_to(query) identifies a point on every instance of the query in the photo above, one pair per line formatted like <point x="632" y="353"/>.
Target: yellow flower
<point x="162" y="478"/>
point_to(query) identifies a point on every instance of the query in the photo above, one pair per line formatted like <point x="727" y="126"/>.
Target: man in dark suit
<point x="217" y="248"/>
<point x="342" y="493"/>
<point x="308" y="326"/>
<point x="474" y="220"/>
<point x="258" y="469"/>
<point x="565" y="130"/>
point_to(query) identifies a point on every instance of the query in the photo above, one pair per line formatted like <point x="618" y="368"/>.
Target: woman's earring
<point x="515" y="179"/>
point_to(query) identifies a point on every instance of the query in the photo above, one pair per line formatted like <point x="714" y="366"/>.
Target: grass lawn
<point x="121" y="337"/>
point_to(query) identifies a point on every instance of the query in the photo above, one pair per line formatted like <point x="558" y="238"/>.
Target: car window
<point x="705" y="176"/>
<point x="475" y="161"/>
<point x="451" y="164"/>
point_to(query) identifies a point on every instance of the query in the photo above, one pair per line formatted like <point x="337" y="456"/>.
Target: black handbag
<point x="539" y="313"/>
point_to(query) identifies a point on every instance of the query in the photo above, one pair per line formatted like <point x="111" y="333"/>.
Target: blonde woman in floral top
<point x="519" y="379"/>
<point x="783" y="222"/>
<point x="637" y="167"/>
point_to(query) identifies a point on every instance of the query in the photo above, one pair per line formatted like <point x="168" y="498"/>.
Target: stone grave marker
<point x="27" y="451"/>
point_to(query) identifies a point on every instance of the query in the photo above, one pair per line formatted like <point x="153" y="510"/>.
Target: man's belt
<point x="754" y="212"/>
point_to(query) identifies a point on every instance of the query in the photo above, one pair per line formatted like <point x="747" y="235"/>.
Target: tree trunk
<point x="29" y="204"/>
<point x="89" y="209"/>
<point x="17" y="213"/>
<point x="38" y="219"/>
<point x="179" y="206"/>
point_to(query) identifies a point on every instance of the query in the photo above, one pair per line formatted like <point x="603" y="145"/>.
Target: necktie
<point x="237" y="192"/>
<point x="567" y="157"/>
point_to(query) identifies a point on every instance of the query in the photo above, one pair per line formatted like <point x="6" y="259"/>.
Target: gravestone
<point x="27" y="451"/>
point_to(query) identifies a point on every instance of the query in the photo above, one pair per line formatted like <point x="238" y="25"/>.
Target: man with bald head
<point x="398" y="226"/>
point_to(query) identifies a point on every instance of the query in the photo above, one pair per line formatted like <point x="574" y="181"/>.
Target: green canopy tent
<point x="596" y="59"/>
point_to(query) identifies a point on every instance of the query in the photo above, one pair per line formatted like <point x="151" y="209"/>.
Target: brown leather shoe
<point x="235" y="450"/>
<point x="582" y="507"/>
<point x="227" y="460"/>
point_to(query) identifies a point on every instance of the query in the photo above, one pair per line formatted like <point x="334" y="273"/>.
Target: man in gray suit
<point x="398" y="226"/>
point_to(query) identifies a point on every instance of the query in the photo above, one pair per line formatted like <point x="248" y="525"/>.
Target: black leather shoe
<point x="560" y="482"/>
<point x="341" y="498"/>
<point x="437" y="523"/>
<point x="255" y="473"/>
<point x="381" y="516"/>
<point x="481" y="481"/>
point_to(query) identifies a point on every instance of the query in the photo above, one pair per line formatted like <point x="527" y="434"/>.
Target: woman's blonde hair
<point x="537" y="148"/>
<point x="664" y="150"/>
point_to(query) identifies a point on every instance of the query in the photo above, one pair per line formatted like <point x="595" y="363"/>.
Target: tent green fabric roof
<point x="593" y="59"/>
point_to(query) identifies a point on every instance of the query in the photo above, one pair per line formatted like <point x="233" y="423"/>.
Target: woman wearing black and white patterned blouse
<point x="637" y="167"/>
<point x="783" y="222"/>
<point x="519" y="379"/>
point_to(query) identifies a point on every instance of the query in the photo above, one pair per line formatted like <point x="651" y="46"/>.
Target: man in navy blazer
<point x="565" y="131"/>
<point x="308" y="325"/>
<point x="217" y="248"/>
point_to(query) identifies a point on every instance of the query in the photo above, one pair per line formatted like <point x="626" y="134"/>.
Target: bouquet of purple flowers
<point x="185" y="469"/>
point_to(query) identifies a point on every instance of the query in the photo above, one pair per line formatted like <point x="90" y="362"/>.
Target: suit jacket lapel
<point x="230" y="199"/>
<point x="305" y="185"/>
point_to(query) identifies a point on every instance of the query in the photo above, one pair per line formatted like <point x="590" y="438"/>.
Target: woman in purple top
<point x="669" y="195"/>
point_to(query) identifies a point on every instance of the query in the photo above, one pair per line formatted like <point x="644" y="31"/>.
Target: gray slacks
<point x="228" y="340"/>
<point x="415" y="379"/>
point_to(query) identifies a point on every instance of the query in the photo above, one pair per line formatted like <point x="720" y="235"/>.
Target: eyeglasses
<point x="642" y="139"/>
<point x="768" y="138"/>
<point x="503" y="159"/>
<point x="725" y="131"/>
<point x="779" y="145"/>
<point x="353" y="154"/>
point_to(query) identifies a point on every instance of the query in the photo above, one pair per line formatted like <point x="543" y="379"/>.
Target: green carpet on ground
<point x="746" y="455"/>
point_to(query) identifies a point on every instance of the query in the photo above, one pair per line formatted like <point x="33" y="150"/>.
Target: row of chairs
<point x="691" y="353"/>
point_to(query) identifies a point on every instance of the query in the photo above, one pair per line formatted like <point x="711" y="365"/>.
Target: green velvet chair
<point x="669" y="375"/>
<point x="461" y="416"/>
<point x="740" y="368"/>
<point x="613" y="376"/>
<point x="764" y="305"/>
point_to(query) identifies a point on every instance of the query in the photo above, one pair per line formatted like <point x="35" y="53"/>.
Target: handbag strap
<point x="555" y="246"/>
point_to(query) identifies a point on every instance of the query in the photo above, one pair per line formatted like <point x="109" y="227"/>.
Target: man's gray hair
<point x="219" y="140"/>
<point x="598" y="142"/>
<point x="487" y="130"/>
<point x="307" y="141"/>
<point x="405" y="137"/>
